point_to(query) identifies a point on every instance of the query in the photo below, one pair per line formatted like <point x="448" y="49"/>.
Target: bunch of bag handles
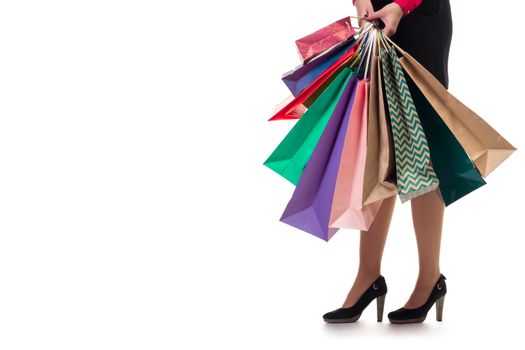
<point x="370" y="39"/>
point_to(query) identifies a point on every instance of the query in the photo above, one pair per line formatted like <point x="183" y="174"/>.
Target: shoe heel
<point x="439" y="308"/>
<point x="380" y="307"/>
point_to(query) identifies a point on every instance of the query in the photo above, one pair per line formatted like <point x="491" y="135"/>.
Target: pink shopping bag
<point x="347" y="208"/>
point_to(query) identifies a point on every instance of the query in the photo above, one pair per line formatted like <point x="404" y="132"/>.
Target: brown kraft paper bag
<point x="379" y="181"/>
<point x="487" y="148"/>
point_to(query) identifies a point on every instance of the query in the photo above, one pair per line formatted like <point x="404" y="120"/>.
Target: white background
<point x="135" y="212"/>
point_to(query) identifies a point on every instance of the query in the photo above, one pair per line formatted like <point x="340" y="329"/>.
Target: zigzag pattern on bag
<point x="415" y="175"/>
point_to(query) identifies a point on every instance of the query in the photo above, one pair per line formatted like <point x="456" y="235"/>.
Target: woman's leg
<point x="427" y="216"/>
<point x="371" y="245"/>
<point x="426" y="34"/>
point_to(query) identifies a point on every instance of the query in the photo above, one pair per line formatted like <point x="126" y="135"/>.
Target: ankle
<point x="367" y="276"/>
<point x="428" y="278"/>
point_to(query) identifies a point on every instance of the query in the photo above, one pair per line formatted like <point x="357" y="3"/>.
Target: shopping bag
<point x="302" y="76"/>
<point x="321" y="40"/>
<point x="320" y="86"/>
<point x="313" y="91"/>
<point x="293" y="152"/>
<point x="457" y="174"/>
<point x="487" y="148"/>
<point x="379" y="178"/>
<point x="347" y="209"/>
<point x="297" y="111"/>
<point x="309" y="207"/>
<point x="415" y="176"/>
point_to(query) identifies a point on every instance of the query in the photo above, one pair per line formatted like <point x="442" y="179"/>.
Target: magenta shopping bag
<point x="324" y="38"/>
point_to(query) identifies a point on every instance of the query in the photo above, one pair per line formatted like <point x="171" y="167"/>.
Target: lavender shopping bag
<point x="310" y="206"/>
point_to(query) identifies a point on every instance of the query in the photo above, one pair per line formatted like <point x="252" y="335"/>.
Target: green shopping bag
<point x="415" y="175"/>
<point x="294" y="151"/>
<point x="457" y="174"/>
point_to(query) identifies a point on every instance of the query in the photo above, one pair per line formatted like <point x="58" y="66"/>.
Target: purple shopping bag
<point x="310" y="206"/>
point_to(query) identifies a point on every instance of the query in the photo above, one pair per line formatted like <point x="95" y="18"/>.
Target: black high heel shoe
<point x="377" y="290"/>
<point x="403" y="315"/>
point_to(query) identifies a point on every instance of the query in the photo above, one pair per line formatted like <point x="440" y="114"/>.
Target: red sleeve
<point x="407" y="5"/>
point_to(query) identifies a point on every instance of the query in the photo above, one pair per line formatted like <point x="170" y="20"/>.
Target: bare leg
<point x="427" y="216"/>
<point x="371" y="245"/>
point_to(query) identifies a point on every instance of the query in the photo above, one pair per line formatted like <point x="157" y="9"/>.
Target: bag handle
<point x="371" y="48"/>
<point x="393" y="43"/>
<point x="364" y="51"/>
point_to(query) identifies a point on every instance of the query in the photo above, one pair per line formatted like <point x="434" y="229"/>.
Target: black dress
<point x="426" y="34"/>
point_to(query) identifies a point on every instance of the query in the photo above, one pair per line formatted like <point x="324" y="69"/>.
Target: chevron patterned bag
<point x="415" y="174"/>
